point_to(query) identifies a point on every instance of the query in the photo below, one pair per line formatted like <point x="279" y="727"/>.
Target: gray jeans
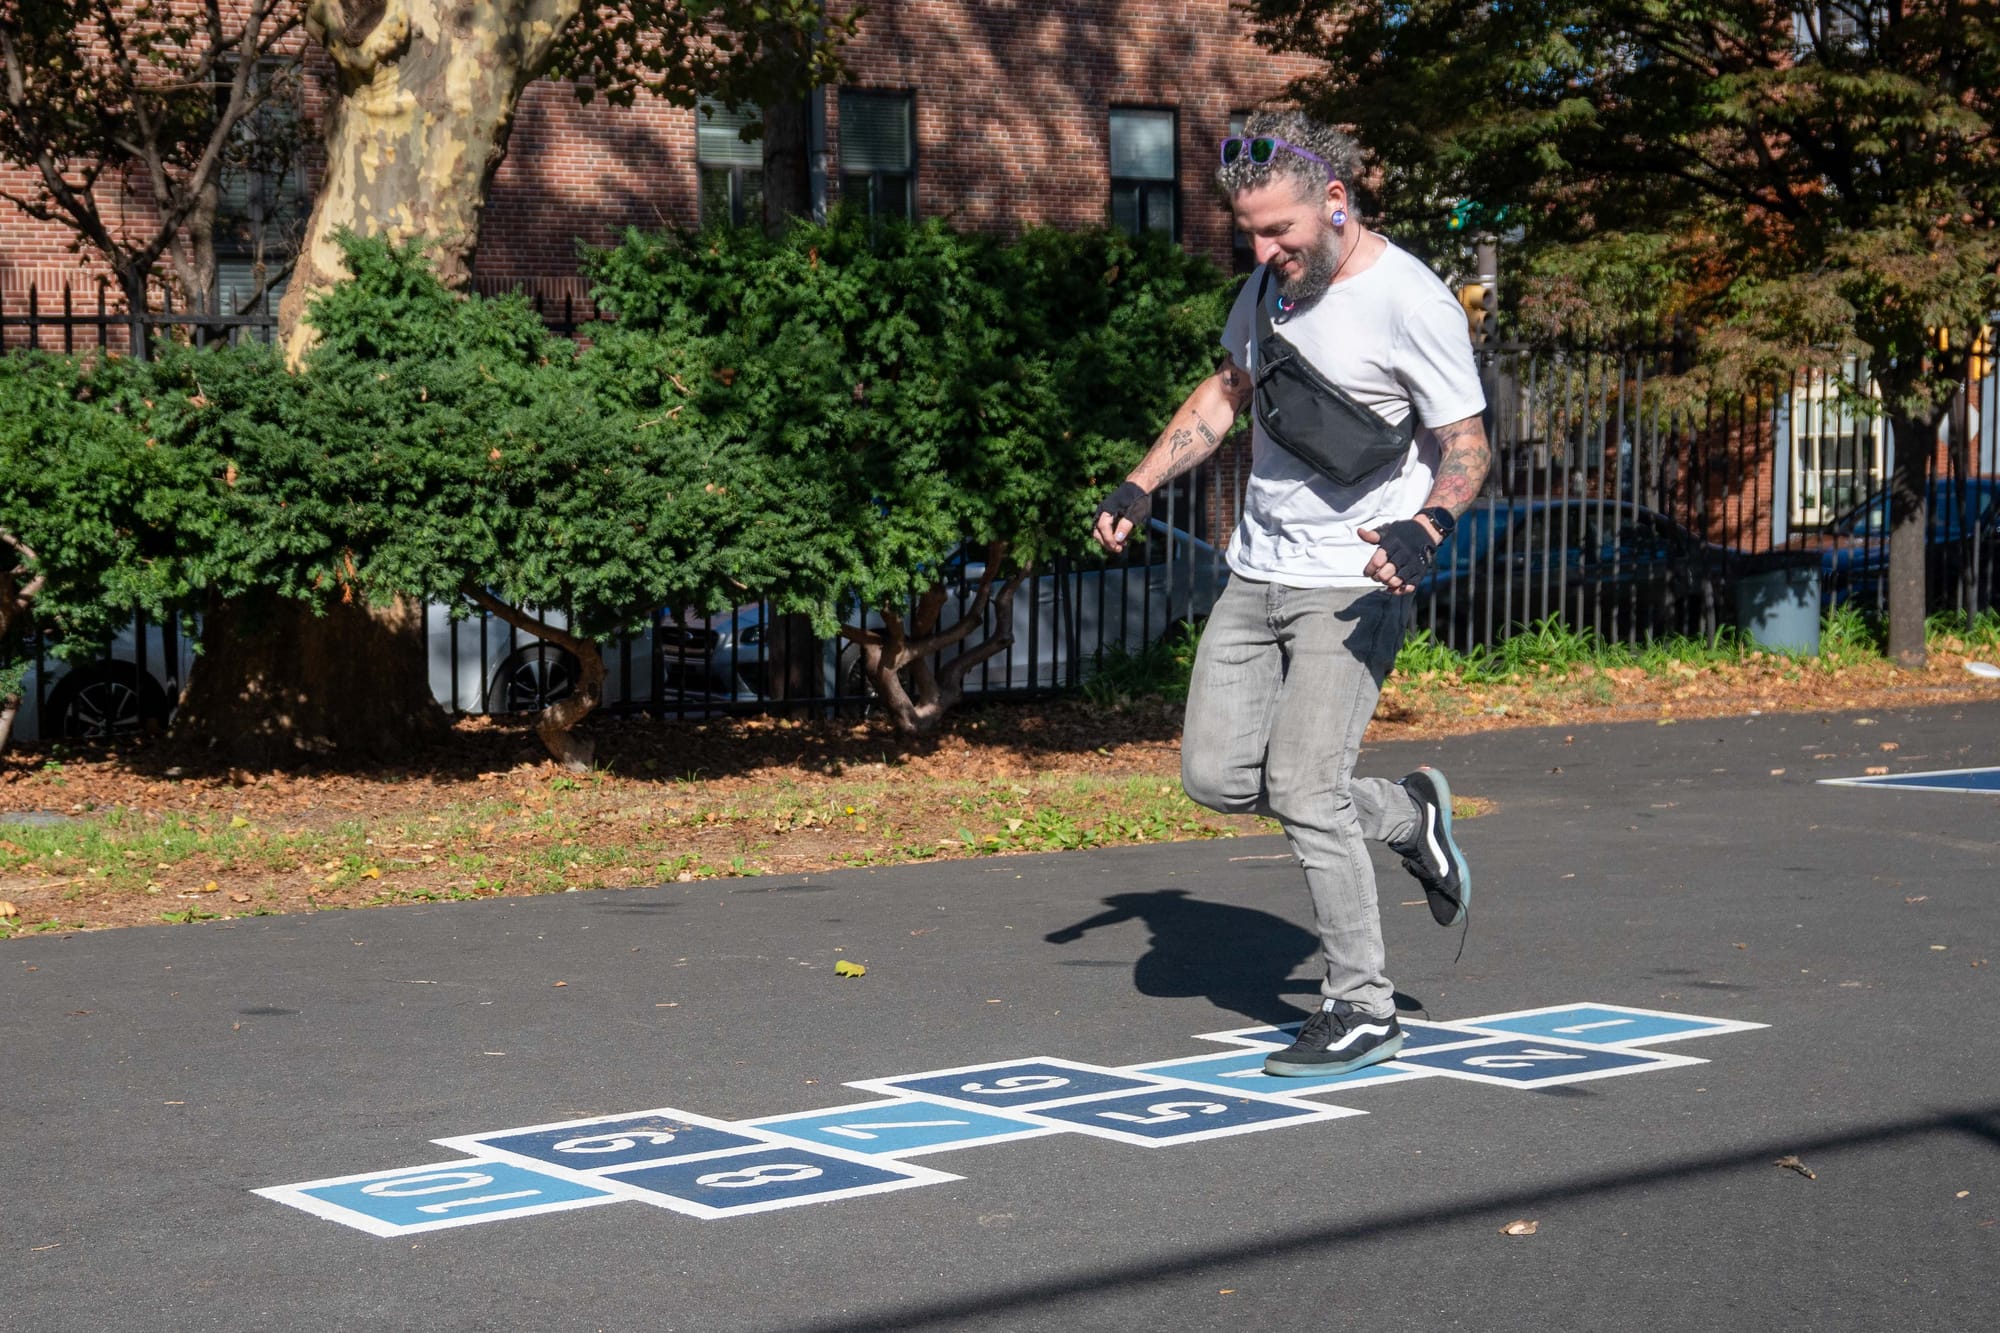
<point x="1284" y="683"/>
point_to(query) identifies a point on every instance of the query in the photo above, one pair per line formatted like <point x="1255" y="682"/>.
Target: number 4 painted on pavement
<point x="1521" y="1059"/>
<point x="867" y="1130"/>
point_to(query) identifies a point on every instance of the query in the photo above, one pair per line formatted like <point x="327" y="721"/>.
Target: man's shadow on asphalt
<point x="1240" y="958"/>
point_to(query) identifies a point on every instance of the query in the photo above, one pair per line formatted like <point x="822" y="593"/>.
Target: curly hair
<point x="1306" y="175"/>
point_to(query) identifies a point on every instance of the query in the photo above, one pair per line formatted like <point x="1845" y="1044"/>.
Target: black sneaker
<point x="1431" y="854"/>
<point x="1336" y="1040"/>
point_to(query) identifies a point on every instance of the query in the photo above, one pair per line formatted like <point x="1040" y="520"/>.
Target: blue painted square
<point x="426" y="1198"/>
<point x="1022" y="1084"/>
<point x="770" y="1178"/>
<point x="1531" y="1064"/>
<point x="614" y="1141"/>
<point x="1602" y="1025"/>
<point x="1165" y="1115"/>
<point x="1243" y="1071"/>
<point x="891" y="1129"/>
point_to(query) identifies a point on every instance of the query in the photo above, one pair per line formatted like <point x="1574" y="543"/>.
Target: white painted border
<point x="480" y="1143"/>
<point x="1028" y="1130"/>
<point x="1310" y="1114"/>
<point x="327" y="1210"/>
<point x="1655" y="1060"/>
<point x="892" y="1086"/>
<point x="1901" y="781"/>
<point x="1713" y="1027"/>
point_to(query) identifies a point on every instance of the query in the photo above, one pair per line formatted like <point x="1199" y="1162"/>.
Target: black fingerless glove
<point x="1408" y="545"/>
<point x="1125" y="502"/>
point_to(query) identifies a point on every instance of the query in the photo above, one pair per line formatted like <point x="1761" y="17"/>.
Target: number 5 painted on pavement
<point x="1162" y="1112"/>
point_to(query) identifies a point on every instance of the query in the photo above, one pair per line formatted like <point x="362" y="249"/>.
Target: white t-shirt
<point x="1394" y="337"/>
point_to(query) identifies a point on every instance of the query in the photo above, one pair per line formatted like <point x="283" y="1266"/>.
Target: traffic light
<point x="1481" y="305"/>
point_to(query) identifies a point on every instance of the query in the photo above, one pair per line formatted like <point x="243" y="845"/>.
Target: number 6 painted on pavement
<point x="1017" y="1083"/>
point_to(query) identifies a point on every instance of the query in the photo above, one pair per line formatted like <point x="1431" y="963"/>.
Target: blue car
<point x="1854" y="551"/>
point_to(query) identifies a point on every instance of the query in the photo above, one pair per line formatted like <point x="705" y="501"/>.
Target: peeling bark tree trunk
<point x="428" y="90"/>
<point x="428" y="93"/>
<point x="1909" y="523"/>
<point x="281" y="684"/>
<point x="918" y="709"/>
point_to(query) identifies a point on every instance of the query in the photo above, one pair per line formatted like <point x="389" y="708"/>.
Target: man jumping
<point x="1346" y="345"/>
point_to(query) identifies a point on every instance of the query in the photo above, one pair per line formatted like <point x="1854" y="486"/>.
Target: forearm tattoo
<point x="1206" y="434"/>
<point x="1462" y="470"/>
<point x="1179" y="441"/>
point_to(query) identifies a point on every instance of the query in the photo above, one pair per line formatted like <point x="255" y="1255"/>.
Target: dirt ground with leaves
<point x="144" y="833"/>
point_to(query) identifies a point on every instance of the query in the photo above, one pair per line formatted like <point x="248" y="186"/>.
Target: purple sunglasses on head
<point x="1262" y="147"/>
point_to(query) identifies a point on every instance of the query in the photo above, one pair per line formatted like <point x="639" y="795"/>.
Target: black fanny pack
<point x="1310" y="417"/>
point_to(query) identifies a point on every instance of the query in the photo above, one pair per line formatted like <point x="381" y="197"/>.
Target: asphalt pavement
<point x="1688" y="962"/>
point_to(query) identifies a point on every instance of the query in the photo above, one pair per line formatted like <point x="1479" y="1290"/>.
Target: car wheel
<point x="532" y="678"/>
<point x="105" y="699"/>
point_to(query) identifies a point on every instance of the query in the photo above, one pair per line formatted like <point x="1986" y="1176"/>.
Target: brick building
<point x="996" y="114"/>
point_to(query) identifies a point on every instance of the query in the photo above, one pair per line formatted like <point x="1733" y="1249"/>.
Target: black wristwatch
<point x="1441" y="519"/>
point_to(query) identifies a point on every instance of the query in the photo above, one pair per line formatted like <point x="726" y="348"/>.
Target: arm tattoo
<point x="1462" y="471"/>
<point x="1206" y="434"/>
<point x="1179" y="440"/>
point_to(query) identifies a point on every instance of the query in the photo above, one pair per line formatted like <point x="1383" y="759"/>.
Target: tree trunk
<point x="1909" y="522"/>
<point x="555" y="724"/>
<point x="919" y="708"/>
<point x="281" y="684"/>
<point x="787" y="164"/>
<point x="428" y="90"/>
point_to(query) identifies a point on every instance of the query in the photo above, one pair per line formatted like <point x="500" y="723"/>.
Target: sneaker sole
<point x="1279" y="1067"/>
<point x="1450" y="848"/>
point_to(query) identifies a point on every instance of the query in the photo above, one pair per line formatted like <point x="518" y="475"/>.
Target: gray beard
<point x="1319" y="264"/>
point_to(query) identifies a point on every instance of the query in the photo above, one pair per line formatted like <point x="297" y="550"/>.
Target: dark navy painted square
<point x="1537" y="1064"/>
<point x="1022" y="1084"/>
<point x="614" y="1141"/>
<point x="1167" y="1115"/>
<point x="771" y="1178"/>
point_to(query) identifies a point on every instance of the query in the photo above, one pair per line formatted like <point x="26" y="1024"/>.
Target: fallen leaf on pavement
<point x="1791" y="1163"/>
<point x="1875" y="770"/>
<point x="1520" y="1227"/>
<point x="843" y="968"/>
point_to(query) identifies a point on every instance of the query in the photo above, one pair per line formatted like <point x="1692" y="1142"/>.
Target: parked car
<point x="1618" y="568"/>
<point x="1854" y="548"/>
<point x="132" y="687"/>
<point x="481" y="664"/>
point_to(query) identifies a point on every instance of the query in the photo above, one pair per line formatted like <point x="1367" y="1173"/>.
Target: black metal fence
<point x="1615" y="506"/>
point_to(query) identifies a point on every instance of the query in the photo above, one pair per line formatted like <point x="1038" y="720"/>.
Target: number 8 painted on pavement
<point x="764" y="1173"/>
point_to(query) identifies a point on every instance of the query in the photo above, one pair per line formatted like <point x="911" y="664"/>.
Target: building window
<point x="264" y="202"/>
<point x="1838" y="454"/>
<point x="878" y="154"/>
<point x="731" y="167"/>
<point x="1145" y="195"/>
